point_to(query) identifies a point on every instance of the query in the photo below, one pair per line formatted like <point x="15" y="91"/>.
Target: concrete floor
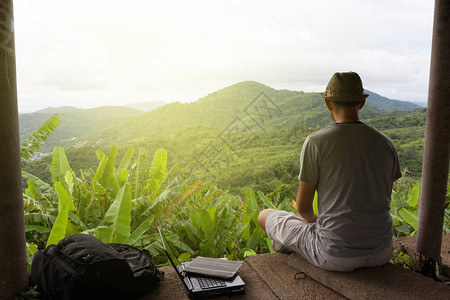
<point x="282" y="276"/>
<point x="266" y="276"/>
<point x="407" y="244"/>
<point x="385" y="282"/>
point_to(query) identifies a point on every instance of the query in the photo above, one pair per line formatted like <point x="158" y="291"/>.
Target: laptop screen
<point x="163" y="241"/>
<point x="166" y="246"/>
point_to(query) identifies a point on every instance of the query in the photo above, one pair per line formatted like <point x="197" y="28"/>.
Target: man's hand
<point x="305" y="197"/>
<point x="310" y="218"/>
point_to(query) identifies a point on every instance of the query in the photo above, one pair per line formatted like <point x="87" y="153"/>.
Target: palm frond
<point x="76" y="220"/>
<point x="39" y="219"/>
<point x="34" y="141"/>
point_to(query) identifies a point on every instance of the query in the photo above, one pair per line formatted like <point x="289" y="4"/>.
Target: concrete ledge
<point x="285" y="282"/>
<point x="385" y="282"/>
<point x="407" y="244"/>
<point x="266" y="277"/>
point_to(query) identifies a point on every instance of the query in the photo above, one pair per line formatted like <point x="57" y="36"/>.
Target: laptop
<point x="197" y="286"/>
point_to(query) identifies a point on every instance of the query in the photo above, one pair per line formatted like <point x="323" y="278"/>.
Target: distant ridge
<point x="389" y="104"/>
<point x="147" y="105"/>
<point x="76" y="123"/>
<point x="57" y="110"/>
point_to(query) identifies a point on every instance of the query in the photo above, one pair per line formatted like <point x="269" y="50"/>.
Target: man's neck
<point x="343" y="116"/>
<point x="346" y="120"/>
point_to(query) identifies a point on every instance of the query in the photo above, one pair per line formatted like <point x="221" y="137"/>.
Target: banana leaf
<point x="136" y="235"/>
<point x="251" y="205"/>
<point x="58" y="231"/>
<point x="38" y="137"/>
<point x="158" y="171"/>
<point x="39" y="219"/>
<point x="208" y="218"/>
<point x="43" y="186"/>
<point x="414" y="196"/>
<point x="40" y="229"/>
<point x="101" y="167"/>
<point x="266" y="201"/>
<point x="107" y="179"/>
<point x="410" y="217"/>
<point x="60" y="165"/>
<point x="62" y="193"/>
<point x="139" y="168"/>
<point x="119" y="217"/>
<point x="396" y="202"/>
<point x="126" y="160"/>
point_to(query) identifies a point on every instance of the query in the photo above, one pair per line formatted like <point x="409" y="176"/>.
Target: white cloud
<point x="98" y="52"/>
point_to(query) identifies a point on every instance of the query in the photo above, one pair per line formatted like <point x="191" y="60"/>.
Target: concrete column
<point x="437" y="140"/>
<point x="13" y="258"/>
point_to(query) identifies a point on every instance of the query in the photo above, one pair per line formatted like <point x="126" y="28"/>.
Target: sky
<point x="89" y="53"/>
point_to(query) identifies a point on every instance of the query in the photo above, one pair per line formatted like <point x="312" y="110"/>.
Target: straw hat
<point x="346" y="86"/>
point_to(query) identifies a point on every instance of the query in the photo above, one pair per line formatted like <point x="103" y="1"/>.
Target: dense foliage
<point x="127" y="203"/>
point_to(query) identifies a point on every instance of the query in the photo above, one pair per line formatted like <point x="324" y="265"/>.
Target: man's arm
<point x="305" y="197"/>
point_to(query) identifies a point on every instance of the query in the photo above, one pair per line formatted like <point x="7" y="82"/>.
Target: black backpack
<point x="82" y="267"/>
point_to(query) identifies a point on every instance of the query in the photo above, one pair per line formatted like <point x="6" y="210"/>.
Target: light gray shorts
<point x="301" y="237"/>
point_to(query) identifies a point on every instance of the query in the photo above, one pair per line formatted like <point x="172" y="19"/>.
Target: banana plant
<point x="101" y="202"/>
<point x="210" y="222"/>
<point x="253" y="235"/>
<point x="404" y="210"/>
<point x="158" y="192"/>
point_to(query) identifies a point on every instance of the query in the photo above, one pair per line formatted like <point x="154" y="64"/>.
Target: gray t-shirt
<point x="354" y="167"/>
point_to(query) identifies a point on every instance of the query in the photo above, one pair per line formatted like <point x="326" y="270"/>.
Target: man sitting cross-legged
<point x="352" y="166"/>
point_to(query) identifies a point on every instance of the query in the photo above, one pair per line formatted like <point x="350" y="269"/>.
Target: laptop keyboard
<point x="207" y="283"/>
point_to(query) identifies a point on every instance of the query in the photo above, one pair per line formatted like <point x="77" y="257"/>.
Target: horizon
<point x="100" y="53"/>
<point x="422" y="104"/>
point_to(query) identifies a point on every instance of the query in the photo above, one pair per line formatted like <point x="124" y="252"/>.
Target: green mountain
<point x="387" y="104"/>
<point x="76" y="124"/>
<point x="243" y="107"/>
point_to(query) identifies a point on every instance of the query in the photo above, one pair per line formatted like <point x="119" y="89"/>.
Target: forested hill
<point x="245" y="106"/>
<point x="389" y="104"/>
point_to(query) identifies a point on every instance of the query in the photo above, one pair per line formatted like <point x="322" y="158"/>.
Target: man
<point x="352" y="166"/>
